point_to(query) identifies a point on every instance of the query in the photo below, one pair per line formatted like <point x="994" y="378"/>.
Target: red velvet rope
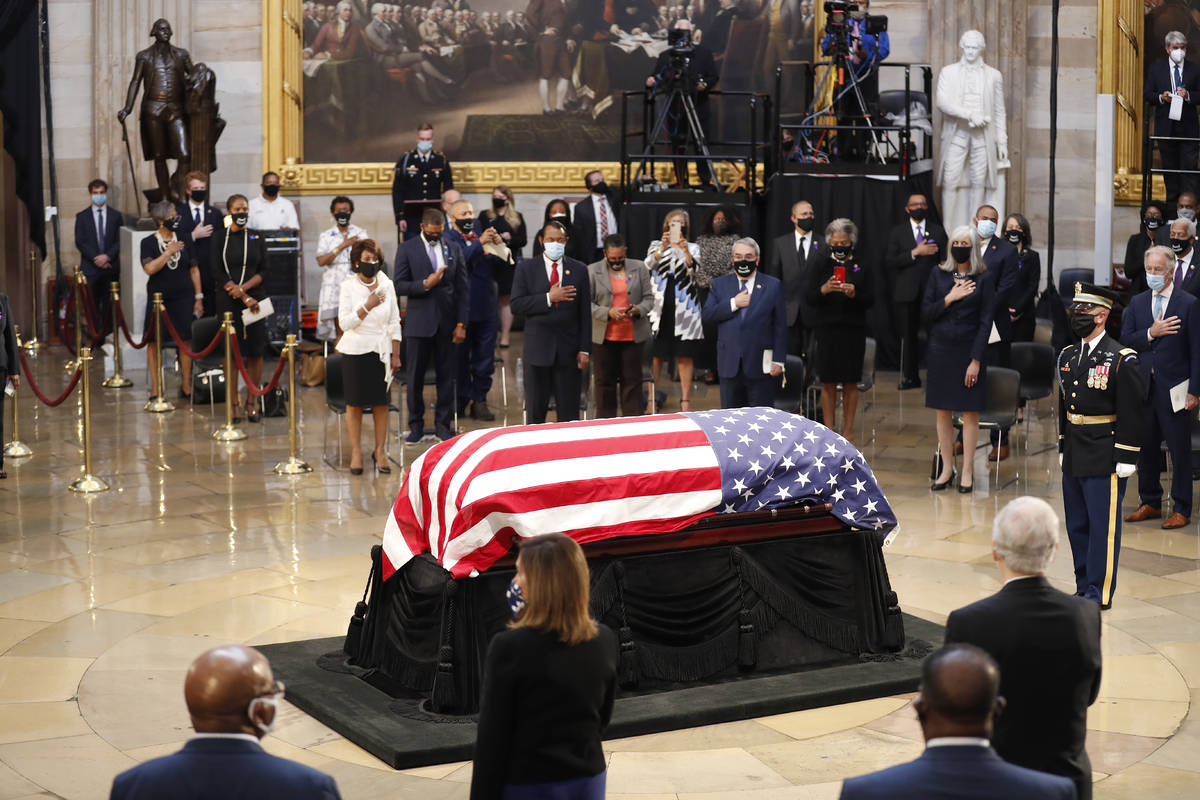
<point x="250" y="387"/>
<point x="89" y="311"/>
<point x="125" y="330"/>
<point x="183" y="348"/>
<point x="33" y="384"/>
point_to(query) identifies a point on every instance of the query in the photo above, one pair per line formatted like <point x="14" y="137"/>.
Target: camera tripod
<point x="843" y="65"/>
<point x="678" y="92"/>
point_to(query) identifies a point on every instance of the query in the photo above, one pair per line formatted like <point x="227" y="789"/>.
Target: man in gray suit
<point x="622" y="297"/>
<point x="790" y="258"/>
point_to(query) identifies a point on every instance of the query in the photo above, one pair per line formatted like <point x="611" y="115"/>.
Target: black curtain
<point x="20" y="104"/>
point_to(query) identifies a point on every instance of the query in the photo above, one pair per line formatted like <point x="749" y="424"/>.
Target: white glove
<point x="1125" y="470"/>
<point x="1060" y="455"/>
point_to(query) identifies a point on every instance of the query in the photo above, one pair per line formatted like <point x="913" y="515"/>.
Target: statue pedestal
<point x="133" y="294"/>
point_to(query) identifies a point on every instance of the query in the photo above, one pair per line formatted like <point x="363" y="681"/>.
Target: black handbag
<point x="275" y="402"/>
<point x="936" y="469"/>
<point x="208" y="386"/>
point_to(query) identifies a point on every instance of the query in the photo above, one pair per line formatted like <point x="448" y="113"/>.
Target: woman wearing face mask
<point x="675" y="318"/>
<point x="239" y="257"/>
<point x="1152" y="232"/>
<point x="333" y="256"/>
<point x="369" y="317"/>
<point x="958" y="306"/>
<point x="171" y="265"/>
<point x="722" y="228"/>
<point x="1023" y="295"/>
<point x="548" y="684"/>
<point x="508" y="222"/>
<point x="557" y="210"/>
<point x="840" y="328"/>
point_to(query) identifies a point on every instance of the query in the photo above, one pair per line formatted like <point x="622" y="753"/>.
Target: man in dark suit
<point x="751" y="316"/>
<point x="232" y="698"/>
<point x="791" y="255"/>
<point x="1166" y="79"/>
<point x="699" y="77"/>
<point x="1046" y="642"/>
<point x="421" y="174"/>
<point x="433" y="274"/>
<point x="98" y="239"/>
<point x="595" y="218"/>
<point x="1182" y="242"/>
<point x="914" y="247"/>
<point x="10" y="364"/>
<point x="1163" y="325"/>
<point x="198" y="221"/>
<point x="957" y="708"/>
<point x="554" y="295"/>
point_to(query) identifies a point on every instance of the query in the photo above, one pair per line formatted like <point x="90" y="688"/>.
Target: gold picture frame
<point x="283" y="133"/>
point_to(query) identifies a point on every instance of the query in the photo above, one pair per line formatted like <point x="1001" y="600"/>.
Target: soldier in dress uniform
<point x="422" y="174"/>
<point x="1099" y="437"/>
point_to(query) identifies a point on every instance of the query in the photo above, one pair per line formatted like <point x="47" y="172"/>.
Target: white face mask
<point x="1177" y="55"/>
<point x="268" y="702"/>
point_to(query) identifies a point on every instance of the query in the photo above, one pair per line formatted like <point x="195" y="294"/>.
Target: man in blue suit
<point x="231" y="697"/>
<point x="957" y="706"/>
<point x="199" y="220"/>
<point x="554" y="294"/>
<point x="432" y="273"/>
<point x="1163" y="326"/>
<point x="477" y="356"/>
<point x="98" y="239"/>
<point x="751" y="318"/>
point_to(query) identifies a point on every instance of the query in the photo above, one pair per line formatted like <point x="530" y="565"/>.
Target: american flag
<point x="467" y="499"/>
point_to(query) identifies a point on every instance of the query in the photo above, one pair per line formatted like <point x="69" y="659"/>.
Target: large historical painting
<point x="513" y="80"/>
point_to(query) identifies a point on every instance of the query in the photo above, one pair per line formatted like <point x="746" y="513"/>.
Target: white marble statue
<point x="974" y="145"/>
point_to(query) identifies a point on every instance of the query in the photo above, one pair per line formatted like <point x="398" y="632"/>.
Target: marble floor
<point x="105" y="599"/>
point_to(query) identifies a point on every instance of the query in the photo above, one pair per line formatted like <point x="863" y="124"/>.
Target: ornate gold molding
<point x="1119" y="73"/>
<point x="1127" y="187"/>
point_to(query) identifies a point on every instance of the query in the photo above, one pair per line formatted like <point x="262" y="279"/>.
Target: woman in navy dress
<point x="958" y="306"/>
<point x="171" y="265"/>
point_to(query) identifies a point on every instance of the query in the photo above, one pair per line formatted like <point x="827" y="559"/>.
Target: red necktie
<point x="554" y="276"/>
<point x="609" y="16"/>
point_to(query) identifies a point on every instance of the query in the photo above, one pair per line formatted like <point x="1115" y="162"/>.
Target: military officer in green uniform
<point x="421" y="174"/>
<point x="1099" y="437"/>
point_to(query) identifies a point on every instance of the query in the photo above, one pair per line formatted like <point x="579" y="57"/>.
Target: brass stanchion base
<point x="157" y="405"/>
<point x="15" y="449"/>
<point x="32" y="345"/>
<point x="116" y="381"/>
<point x="228" y="433"/>
<point x="88" y="484"/>
<point x="293" y="466"/>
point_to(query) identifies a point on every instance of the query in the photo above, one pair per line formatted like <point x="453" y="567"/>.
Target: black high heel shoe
<point x="382" y="469"/>
<point x="967" y="489"/>
<point x="939" y="487"/>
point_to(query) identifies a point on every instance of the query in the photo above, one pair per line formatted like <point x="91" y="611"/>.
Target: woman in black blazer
<point x="1151" y="232"/>
<point x="840" y="327"/>
<point x="548" y="684"/>
<point x="1023" y="295"/>
<point x="238" y="260"/>
<point x="958" y="307"/>
<point x="10" y="365"/>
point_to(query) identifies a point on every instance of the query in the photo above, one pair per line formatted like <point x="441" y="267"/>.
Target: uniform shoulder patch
<point x="1126" y="351"/>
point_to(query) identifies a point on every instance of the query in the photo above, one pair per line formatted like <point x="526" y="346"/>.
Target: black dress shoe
<point x="966" y="489"/>
<point x="382" y="469"/>
<point x="915" y="383"/>
<point x="480" y="411"/>
<point x="445" y="433"/>
<point x="939" y="487"/>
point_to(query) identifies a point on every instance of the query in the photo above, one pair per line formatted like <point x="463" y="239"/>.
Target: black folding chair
<point x="1034" y="362"/>
<point x="1002" y="395"/>
<point x="335" y="401"/>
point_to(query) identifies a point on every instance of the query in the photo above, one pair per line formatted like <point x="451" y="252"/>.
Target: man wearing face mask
<point x="1182" y="242"/>
<point x="751" y="317"/>
<point x="1185" y="207"/>
<point x="595" y="219"/>
<point x="914" y="247"/>
<point x="1172" y="86"/>
<point x="232" y="698"/>
<point x="1153" y="231"/>
<point x="432" y="273"/>
<point x="269" y="211"/>
<point x="1163" y="325"/>
<point x="422" y="174"/>
<point x="476" y="362"/>
<point x="1100" y="416"/>
<point x="98" y="239"/>
<point x="791" y="256"/>
<point x="198" y="220"/>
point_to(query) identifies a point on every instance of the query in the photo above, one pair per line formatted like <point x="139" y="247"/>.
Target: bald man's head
<point x="231" y="690"/>
<point x="959" y="693"/>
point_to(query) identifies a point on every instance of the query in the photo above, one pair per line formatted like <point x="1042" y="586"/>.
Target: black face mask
<point x="1082" y="324"/>
<point x="271" y="190"/>
<point x="172" y="223"/>
<point x="960" y="253"/>
<point x="241" y="219"/>
<point x="466" y="225"/>
<point x="841" y="251"/>
<point x="599" y="188"/>
<point x="433" y="238"/>
<point x="617" y="266"/>
<point x="368" y="268"/>
<point x="804" y="224"/>
<point x="1152" y="223"/>
<point x="199" y="195"/>
<point x="918" y="214"/>
<point x="744" y="269"/>
<point x="499" y="203"/>
<point x="342" y="219"/>
<point x="1014" y="237"/>
<point x="1180" y="245"/>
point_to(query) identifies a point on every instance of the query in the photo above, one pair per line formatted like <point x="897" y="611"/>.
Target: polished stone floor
<point x="105" y="599"/>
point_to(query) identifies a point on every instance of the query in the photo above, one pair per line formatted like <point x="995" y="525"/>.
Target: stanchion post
<point x="116" y="380"/>
<point x="159" y="403"/>
<point x="88" y="483"/>
<point x="16" y="448"/>
<point x="77" y="282"/>
<point x="32" y="345"/>
<point x="293" y="465"/>
<point x="227" y="432"/>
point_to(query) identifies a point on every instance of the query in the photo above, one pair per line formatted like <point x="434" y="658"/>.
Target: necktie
<point x="1178" y="77"/>
<point x="196" y="215"/>
<point x="433" y="256"/>
<point x="920" y="235"/>
<point x="100" y="228"/>
<point x="744" y="283"/>
<point x="603" y="220"/>
<point x="554" y="276"/>
<point x="609" y="16"/>
<point x="1158" y="306"/>
<point x="1178" y="271"/>
<point x="800" y="251"/>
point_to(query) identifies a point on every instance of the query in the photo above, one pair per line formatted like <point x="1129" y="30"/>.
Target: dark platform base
<point x="400" y="733"/>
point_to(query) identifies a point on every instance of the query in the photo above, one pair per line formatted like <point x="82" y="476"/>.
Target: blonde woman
<point x="675" y="318"/>
<point x="508" y="222"/>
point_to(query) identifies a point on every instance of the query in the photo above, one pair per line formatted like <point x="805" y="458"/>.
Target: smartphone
<point x="676" y="231"/>
<point x="839" y="274"/>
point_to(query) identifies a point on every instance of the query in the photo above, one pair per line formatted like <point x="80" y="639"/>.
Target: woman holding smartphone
<point x="840" y="291"/>
<point x="239" y="258"/>
<point x="675" y="318"/>
<point x="958" y="306"/>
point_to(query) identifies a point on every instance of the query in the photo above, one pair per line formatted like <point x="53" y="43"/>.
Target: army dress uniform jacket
<point x="420" y="178"/>
<point x="1101" y="408"/>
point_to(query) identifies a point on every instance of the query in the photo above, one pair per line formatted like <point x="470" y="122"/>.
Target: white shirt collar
<point x="1020" y="578"/>
<point x="958" y="741"/>
<point x="1088" y="347"/>
<point x="245" y="736"/>
<point x="1186" y="259"/>
<point x="194" y="205"/>
<point x="914" y="225"/>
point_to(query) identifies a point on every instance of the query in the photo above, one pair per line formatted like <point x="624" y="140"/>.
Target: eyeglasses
<point x="276" y="691"/>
